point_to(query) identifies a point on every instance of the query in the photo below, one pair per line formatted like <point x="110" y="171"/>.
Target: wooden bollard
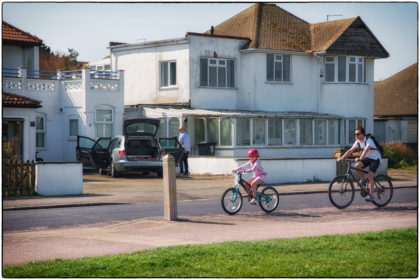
<point x="169" y="188"/>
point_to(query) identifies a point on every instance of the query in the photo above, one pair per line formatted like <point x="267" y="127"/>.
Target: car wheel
<point x="160" y="173"/>
<point x="102" y="171"/>
<point x="114" y="172"/>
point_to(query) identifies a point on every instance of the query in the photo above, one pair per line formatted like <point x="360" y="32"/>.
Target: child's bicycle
<point x="232" y="200"/>
<point x="341" y="190"/>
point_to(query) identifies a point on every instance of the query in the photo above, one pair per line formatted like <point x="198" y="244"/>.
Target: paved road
<point x="117" y="212"/>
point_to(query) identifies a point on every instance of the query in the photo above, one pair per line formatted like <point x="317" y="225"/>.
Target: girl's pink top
<point x="256" y="167"/>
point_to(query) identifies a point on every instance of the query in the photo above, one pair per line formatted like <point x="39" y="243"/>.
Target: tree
<point x="73" y="56"/>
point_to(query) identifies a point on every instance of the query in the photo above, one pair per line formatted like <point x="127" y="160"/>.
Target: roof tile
<point x="11" y="33"/>
<point x="15" y="100"/>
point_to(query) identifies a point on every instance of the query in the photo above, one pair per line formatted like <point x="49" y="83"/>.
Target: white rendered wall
<point x="141" y="66"/>
<point x="279" y="170"/>
<point x="214" y="98"/>
<point x="59" y="178"/>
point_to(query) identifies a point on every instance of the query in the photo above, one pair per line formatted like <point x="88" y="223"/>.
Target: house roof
<point x="13" y="35"/>
<point x="15" y="100"/>
<point x="397" y="95"/>
<point x="268" y="27"/>
<point x="271" y="27"/>
<point x="324" y="34"/>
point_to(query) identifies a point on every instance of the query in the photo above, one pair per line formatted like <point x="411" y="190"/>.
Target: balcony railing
<point x="59" y="75"/>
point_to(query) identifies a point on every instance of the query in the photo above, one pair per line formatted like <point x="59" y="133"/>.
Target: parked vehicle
<point x="137" y="150"/>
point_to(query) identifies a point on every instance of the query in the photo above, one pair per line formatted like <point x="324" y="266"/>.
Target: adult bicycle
<point x="232" y="199"/>
<point x="341" y="190"/>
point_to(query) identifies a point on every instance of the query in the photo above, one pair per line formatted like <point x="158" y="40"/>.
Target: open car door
<point x="172" y="146"/>
<point x="93" y="153"/>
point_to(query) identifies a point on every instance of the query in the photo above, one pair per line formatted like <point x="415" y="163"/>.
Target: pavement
<point x="125" y="237"/>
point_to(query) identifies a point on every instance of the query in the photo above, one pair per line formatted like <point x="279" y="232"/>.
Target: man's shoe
<point x="369" y="198"/>
<point x="253" y="201"/>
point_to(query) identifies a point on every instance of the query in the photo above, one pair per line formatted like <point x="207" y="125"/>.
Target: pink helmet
<point x="253" y="153"/>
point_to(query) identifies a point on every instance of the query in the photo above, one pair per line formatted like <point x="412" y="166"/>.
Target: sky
<point x="89" y="27"/>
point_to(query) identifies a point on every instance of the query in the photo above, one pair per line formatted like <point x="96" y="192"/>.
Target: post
<point x="169" y="188"/>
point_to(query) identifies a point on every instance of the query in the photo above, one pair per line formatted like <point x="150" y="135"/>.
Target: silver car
<point x="137" y="150"/>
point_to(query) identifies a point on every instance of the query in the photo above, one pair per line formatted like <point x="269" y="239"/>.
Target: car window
<point x="102" y="143"/>
<point x="141" y="127"/>
<point x="168" y="143"/>
<point x="85" y="142"/>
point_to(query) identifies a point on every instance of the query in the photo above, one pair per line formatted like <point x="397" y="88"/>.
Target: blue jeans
<point x="183" y="164"/>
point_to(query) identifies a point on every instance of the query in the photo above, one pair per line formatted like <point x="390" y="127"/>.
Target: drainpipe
<point x="319" y="76"/>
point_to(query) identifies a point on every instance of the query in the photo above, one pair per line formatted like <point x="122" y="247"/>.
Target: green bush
<point x="400" y="155"/>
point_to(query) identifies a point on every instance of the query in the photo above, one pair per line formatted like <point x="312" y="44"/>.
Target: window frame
<point x="104" y="122"/>
<point x="70" y="136"/>
<point x="40" y="131"/>
<point x="358" y="62"/>
<point x="285" y="65"/>
<point x="172" y="74"/>
<point x="229" y="75"/>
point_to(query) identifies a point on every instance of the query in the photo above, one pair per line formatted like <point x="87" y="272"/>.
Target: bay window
<point x="217" y="72"/>
<point x="346" y="69"/>
<point x="278" y="68"/>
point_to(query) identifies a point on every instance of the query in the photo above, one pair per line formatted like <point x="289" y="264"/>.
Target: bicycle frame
<point x="241" y="182"/>
<point x="350" y="176"/>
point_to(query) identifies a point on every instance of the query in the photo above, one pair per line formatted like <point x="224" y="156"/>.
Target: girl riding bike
<point x="254" y="165"/>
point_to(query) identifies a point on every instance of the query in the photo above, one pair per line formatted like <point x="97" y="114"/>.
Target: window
<point x="199" y="130"/>
<point x="167" y="73"/>
<point x="173" y="127"/>
<point x="278" y="68"/>
<point x="290" y="132"/>
<point x="73" y="127"/>
<point x="40" y="132"/>
<point x="275" y="131"/>
<point x="226" y="132"/>
<point x="215" y="72"/>
<point x="352" y="126"/>
<point x="320" y="132"/>
<point x="306" y="132"/>
<point x="104" y="122"/>
<point x="258" y="131"/>
<point x="329" y="69"/>
<point x="334" y="132"/>
<point x="346" y="69"/>
<point x="213" y="130"/>
<point x="243" y="132"/>
<point x="162" y="129"/>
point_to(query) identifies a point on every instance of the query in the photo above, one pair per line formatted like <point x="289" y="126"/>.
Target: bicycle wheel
<point x="341" y="192"/>
<point x="269" y="199"/>
<point x="382" y="191"/>
<point x="232" y="201"/>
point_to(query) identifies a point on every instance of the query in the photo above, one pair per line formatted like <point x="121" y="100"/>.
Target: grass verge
<point x="390" y="253"/>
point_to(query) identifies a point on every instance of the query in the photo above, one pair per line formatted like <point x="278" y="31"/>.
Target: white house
<point x="263" y="78"/>
<point x="44" y="111"/>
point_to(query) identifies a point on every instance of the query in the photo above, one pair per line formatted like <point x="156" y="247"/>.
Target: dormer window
<point x="344" y="69"/>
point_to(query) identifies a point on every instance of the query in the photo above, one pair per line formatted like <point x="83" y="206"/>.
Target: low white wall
<point x="283" y="170"/>
<point x="59" y="178"/>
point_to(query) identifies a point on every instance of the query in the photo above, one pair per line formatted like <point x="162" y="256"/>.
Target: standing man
<point x="184" y="140"/>
<point x="370" y="157"/>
